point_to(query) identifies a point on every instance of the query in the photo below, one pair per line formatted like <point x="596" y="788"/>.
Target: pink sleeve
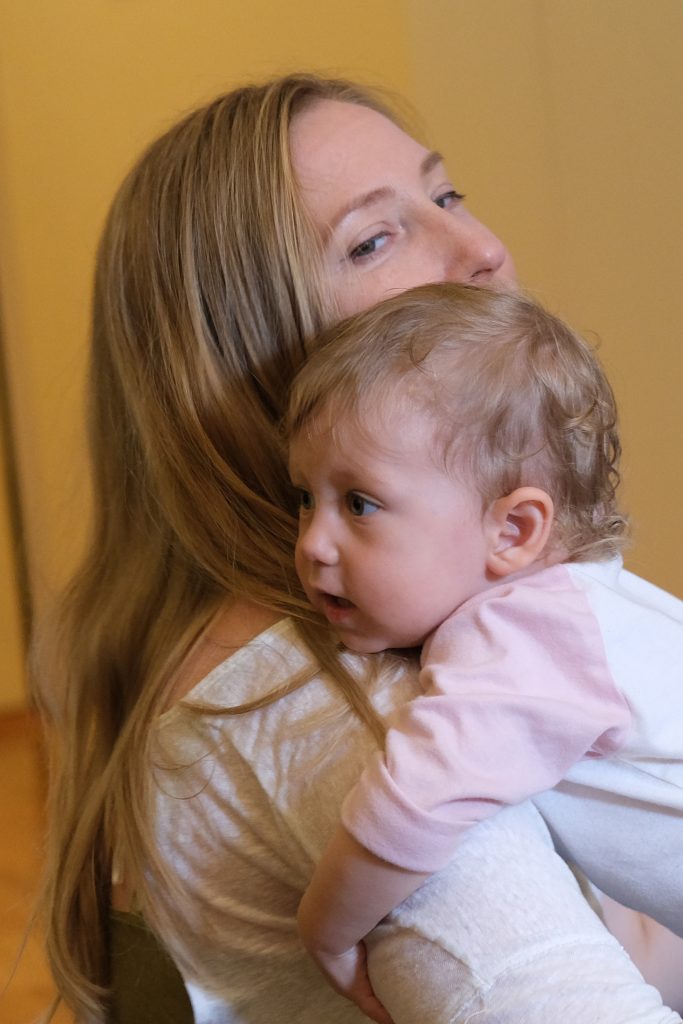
<point x="516" y="690"/>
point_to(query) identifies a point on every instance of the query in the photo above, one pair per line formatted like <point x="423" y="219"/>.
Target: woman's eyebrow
<point x="430" y="162"/>
<point x="377" y="194"/>
<point x="358" y="203"/>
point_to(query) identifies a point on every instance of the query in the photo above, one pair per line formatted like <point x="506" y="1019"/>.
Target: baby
<point x="456" y="450"/>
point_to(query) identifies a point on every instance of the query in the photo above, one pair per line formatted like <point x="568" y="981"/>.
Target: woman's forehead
<point x="344" y="154"/>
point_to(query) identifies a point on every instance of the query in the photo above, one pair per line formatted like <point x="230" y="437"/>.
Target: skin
<point x="388" y="213"/>
<point x="389" y="544"/>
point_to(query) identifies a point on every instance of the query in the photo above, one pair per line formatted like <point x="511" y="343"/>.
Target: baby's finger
<point x="372" y="1008"/>
<point x="365" y="998"/>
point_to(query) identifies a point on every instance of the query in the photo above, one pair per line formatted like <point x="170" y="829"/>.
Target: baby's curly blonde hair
<point x="517" y="398"/>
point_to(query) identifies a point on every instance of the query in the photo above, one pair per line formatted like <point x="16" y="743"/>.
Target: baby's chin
<point x="360" y="644"/>
<point x="377" y="645"/>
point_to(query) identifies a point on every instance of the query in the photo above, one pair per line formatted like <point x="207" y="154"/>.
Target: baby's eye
<point x="358" y="505"/>
<point x="448" y="199"/>
<point x="306" y="502"/>
<point x="370" y="247"/>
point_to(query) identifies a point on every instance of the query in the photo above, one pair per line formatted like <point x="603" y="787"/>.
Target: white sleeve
<point x="503" y="936"/>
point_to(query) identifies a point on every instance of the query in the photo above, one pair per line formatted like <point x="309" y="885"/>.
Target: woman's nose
<point x="316" y="542"/>
<point x="473" y="255"/>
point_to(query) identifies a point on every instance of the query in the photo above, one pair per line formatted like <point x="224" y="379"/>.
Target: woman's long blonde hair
<point x="208" y="286"/>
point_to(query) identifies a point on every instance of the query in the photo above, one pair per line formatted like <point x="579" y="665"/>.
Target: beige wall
<point x="560" y="119"/>
<point x="84" y="85"/>
<point x="11" y="638"/>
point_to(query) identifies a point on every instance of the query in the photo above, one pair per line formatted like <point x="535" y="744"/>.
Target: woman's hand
<point x="347" y="973"/>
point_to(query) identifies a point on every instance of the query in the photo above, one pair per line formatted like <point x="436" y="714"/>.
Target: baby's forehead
<point x="388" y="430"/>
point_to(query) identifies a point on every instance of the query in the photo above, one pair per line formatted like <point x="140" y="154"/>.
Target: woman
<point x="238" y="235"/>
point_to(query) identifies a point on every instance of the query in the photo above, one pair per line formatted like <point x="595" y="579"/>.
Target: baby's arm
<point x="350" y="892"/>
<point x="516" y="690"/>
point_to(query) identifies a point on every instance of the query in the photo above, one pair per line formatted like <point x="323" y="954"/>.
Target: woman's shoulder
<point x="233" y="674"/>
<point x="278" y="657"/>
<point x="268" y="715"/>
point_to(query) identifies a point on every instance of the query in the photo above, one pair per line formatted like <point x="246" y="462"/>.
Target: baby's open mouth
<point x="338" y="602"/>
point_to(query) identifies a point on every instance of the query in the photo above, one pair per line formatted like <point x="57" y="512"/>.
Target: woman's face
<point x="389" y="216"/>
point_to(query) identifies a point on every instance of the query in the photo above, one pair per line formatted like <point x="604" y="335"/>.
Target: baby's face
<point x="389" y="544"/>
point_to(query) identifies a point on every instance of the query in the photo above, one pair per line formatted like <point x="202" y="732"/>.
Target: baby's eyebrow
<point x="375" y="195"/>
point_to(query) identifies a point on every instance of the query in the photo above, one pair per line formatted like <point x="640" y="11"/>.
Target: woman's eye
<point x="359" y="505"/>
<point x="448" y="199"/>
<point x="370" y="247"/>
<point x="305" y="501"/>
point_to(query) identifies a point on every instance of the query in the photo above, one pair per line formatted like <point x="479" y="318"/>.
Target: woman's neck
<point x="234" y="625"/>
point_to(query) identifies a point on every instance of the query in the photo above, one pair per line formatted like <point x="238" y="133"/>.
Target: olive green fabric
<point x="146" y="985"/>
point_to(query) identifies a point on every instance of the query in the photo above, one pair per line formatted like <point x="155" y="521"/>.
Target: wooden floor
<point x="25" y="992"/>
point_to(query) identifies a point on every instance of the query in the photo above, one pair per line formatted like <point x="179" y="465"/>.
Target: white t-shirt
<point x="244" y="807"/>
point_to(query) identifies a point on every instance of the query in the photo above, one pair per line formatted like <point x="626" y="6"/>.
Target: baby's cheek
<point x="300" y="562"/>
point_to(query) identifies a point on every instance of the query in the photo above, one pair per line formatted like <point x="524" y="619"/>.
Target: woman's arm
<point x="503" y="936"/>
<point x="502" y="932"/>
<point x="656" y="951"/>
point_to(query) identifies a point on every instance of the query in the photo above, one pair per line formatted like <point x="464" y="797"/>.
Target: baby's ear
<point x="518" y="528"/>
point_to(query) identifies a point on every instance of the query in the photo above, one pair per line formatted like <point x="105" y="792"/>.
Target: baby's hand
<point x="348" y="975"/>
